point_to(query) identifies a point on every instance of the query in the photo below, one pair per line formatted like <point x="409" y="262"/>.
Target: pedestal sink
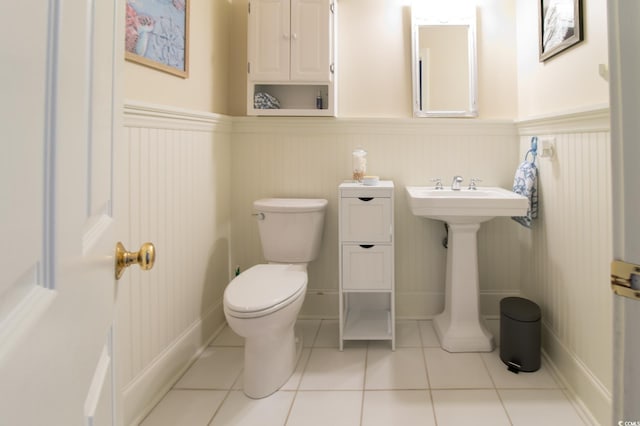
<point x="460" y="327"/>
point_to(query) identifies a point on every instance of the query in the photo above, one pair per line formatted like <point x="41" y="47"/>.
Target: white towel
<point x="526" y="183"/>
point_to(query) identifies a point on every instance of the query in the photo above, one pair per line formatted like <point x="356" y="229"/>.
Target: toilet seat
<point x="264" y="289"/>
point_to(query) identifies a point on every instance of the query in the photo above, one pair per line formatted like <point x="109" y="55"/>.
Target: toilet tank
<point x="290" y="228"/>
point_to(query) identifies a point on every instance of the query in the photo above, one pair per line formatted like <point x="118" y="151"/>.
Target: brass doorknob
<point x="145" y="257"/>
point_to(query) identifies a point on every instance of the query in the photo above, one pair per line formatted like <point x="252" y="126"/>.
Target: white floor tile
<point x="217" y="368"/>
<point x="228" y="337"/>
<point x="294" y="380"/>
<point x="328" y="334"/>
<point x="307" y="329"/>
<point x="330" y="369"/>
<point x="328" y="386"/>
<point x="408" y="334"/>
<point x="323" y="408"/>
<point x="525" y="407"/>
<point x="505" y="379"/>
<point x="456" y="370"/>
<point x="185" y="407"/>
<point x="428" y="334"/>
<point x="239" y="410"/>
<point x="400" y="369"/>
<point x="397" y="407"/>
<point x="478" y="407"/>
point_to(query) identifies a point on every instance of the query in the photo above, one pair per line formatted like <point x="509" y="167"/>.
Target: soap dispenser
<point x="319" y="100"/>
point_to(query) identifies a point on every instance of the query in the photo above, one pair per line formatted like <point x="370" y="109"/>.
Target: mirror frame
<point x="421" y="17"/>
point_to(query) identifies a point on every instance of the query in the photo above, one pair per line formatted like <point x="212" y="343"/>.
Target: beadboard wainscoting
<point x="302" y="157"/>
<point x="177" y="165"/>
<point x="193" y="177"/>
<point x="566" y="255"/>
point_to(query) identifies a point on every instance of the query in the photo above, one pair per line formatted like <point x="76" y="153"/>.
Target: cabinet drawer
<point x="366" y="219"/>
<point x="367" y="267"/>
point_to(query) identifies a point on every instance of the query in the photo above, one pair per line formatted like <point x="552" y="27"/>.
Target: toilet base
<point x="269" y="363"/>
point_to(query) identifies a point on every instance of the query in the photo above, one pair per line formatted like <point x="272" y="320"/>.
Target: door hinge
<point x="248" y="67"/>
<point x="625" y="279"/>
<point x="249" y="8"/>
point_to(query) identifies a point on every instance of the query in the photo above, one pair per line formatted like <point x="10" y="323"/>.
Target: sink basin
<point x="466" y="205"/>
<point x="460" y="327"/>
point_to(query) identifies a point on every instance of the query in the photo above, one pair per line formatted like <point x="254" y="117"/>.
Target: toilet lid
<point x="262" y="287"/>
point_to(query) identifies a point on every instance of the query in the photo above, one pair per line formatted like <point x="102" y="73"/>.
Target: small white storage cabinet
<point x="291" y="56"/>
<point x="367" y="301"/>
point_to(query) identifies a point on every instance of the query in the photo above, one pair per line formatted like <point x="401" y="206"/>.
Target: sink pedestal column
<point x="460" y="327"/>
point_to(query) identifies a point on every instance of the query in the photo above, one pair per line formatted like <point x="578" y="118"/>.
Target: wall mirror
<point x="444" y="64"/>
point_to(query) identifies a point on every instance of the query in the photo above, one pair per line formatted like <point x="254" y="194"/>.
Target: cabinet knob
<point x="294" y="36"/>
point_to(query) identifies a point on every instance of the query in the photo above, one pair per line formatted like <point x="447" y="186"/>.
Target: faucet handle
<point x="438" y="183"/>
<point x="472" y="183"/>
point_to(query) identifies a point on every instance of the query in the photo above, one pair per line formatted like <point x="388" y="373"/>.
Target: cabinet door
<point x="311" y="29"/>
<point x="269" y="40"/>
<point x="367" y="267"/>
<point x="365" y="220"/>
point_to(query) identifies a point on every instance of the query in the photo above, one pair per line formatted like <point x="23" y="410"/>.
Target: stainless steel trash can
<point x="520" y="334"/>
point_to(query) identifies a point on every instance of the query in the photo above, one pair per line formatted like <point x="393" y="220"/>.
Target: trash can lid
<point x="519" y="309"/>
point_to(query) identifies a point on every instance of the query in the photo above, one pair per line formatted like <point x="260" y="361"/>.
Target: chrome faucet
<point x="438" y="183"/>
<point x="455" y="185"/>
<point x="473" y="183"/>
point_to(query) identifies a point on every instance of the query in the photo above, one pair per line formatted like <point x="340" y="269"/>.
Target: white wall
<point x="568" y="81"/>
<point x="566" y="256"/>
<point x="241" y="159"/>
<point x="374" y="58"/>
<point x="178" y="166"/>
<point x="207" y="87"/>
<point x="299" y="157"/>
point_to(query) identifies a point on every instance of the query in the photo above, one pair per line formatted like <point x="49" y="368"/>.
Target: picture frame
<point x="157" y="35"/>
<point x="560" y="26"/>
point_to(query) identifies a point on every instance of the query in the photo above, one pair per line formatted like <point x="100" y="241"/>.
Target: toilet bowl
<point x="262" y="303"/>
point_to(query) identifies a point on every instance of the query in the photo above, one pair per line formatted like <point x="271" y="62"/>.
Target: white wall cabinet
<point x="291" y="56"/>
<point x="366" y="238"/>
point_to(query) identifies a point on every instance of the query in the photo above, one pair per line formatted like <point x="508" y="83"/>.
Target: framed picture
<point x="157" y="35"/>
<point x="560" y="26"/>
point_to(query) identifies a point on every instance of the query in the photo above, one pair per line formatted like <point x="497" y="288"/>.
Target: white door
<point x="269" y="35"/>
<point x="290" y="40"/>
<point x="311" y="22"/>
<point x="60" y="115"/>
<point x="624" y="61"/>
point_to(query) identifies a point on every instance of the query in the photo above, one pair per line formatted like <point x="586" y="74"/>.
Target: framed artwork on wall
<point x="157" y="35"/>
<point x="560" y="26"/>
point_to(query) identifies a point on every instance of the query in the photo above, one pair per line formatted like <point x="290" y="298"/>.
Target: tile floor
<point x="366" y="384"/>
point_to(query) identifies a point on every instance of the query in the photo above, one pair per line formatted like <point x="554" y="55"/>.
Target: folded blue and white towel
<point x="263" y="100"/>
<point x="526" y="183"/>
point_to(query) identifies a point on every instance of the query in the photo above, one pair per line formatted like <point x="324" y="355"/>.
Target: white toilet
<point x="262" y="303"/>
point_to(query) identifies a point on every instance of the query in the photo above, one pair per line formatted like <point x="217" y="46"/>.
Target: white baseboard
<point x="323" y="304"/>
<point x="147" y="389"/>
<point x="590" y="397"/>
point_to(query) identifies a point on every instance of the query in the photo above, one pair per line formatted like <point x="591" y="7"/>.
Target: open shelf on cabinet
<point x="368" y="324"/>
<point x="294" y="99"/>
